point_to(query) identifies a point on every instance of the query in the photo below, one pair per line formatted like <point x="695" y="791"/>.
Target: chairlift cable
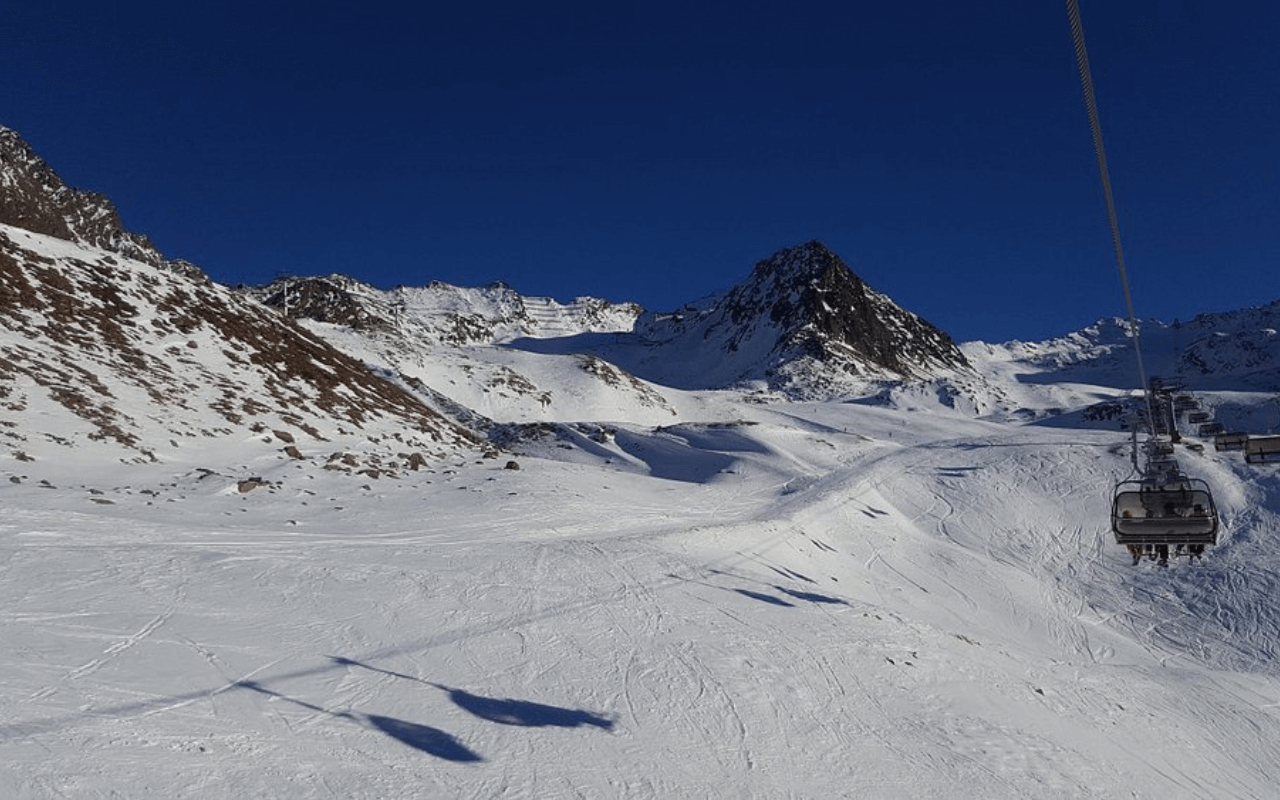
<point x="1091" y="106"/>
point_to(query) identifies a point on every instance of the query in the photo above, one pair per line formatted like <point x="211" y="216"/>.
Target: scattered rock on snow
<point x="249" y="484"/>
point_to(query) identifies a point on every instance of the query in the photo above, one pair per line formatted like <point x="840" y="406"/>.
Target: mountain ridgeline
<point x="131" y="349"/>
<point x="34" y="198"/>
<point x="801" y="324"/>
<point x="108" y="344"/>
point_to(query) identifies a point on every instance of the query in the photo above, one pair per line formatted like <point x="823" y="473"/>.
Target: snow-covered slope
<point x="445" y="344"/>
<point x="141" y="361"/>
<point x="820" y="600"/>
<point x="1221" y="351"/>
<point x="801" y="324"/>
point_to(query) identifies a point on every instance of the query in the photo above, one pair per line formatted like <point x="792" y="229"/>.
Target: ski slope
<point x="820" y="600"/>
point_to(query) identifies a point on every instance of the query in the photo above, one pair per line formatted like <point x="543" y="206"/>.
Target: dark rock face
<point x="803" y="323"/>
<point x="825" y="311"/>
<point x="34" y="198"/>
<point x="320" y="299"/>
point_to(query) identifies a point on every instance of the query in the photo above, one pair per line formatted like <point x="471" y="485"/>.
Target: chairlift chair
<point x="1230" y="441"/>
<point x="1262" y="450"/>
<point x="1168" y="510"/>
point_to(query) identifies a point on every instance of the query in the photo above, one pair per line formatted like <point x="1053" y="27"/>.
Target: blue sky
<point x="654" y="152"/>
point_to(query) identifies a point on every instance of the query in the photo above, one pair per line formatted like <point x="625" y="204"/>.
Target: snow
<point x="818" y="600"/>
<point x="653" y="593"/>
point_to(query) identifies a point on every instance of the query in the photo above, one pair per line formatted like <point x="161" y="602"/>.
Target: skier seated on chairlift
<point x="1135" y="551"/>
<point x="1153" y="552"/>
<point x="1197" y="550"/>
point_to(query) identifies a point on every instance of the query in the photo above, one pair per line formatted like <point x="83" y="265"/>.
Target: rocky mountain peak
<point x="805" y="318"/>
<point x="34" y="198"/>
<point x="121" y="347"/>
<point x="335" y="299"/>
<point x="830" y="313"/>
<point x="808" y="261"/>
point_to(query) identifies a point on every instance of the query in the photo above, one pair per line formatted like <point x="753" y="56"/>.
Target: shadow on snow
<point x="505" y="711"/>
<point x="425" y="738"/>
<point x="764" y="597"/>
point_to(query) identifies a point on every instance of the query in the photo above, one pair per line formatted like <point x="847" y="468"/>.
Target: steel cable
<point x="1091" y="106"/>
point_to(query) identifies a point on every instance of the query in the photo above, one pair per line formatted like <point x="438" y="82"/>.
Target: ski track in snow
<point x="921" y="616"/>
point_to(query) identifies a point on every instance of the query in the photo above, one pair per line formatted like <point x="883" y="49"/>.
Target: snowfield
<point x="788" y="600"/>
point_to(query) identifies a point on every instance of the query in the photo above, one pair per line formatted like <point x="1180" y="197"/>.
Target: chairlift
<point x="1164" y="510"/>
<point x="1262" y="450"/>
<point x="1230" y="441"/>
<point x="1163" y="507"/>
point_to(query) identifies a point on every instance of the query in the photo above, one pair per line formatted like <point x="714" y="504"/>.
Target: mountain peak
<point x="34" y="198"/>
<point x="826" y="312"/>
<point x="803" y="323"/>
<point x="810" y="259"/>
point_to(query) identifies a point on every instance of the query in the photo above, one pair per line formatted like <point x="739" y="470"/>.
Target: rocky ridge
<point x="802" y="321"/>
<point x="441" y="313"/>
<point x="148" y="358"/>
<point x="34" y="198"/>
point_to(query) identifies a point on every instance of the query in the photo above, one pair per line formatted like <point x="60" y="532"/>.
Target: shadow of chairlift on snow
<point x="812" y="597"/>
<point x="789" y="574"/>
<point x="432" y="741"/>
<point x="504" y="711"/>
<point x="524" y="713"/>
<point x="808" y="597"/>
<point x="795" y="594"/>
<point x="764" y="598"/>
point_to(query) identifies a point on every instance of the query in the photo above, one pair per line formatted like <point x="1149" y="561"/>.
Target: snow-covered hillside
<point x="1220" y="351"/>
<point x="138" y="361"/>
<point x="801" y="325"/>
<point x="811" y="600"/>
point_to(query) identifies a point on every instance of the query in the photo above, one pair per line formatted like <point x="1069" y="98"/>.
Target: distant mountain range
<point x="801" y="324"/>
<point x="136" y="351"/>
